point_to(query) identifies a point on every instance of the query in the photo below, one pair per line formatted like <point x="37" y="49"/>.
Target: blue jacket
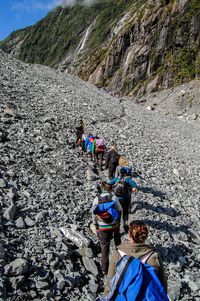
<point x="87" y="142"/>
<point x="127" y="179"/>
<point x="109" y="207"/>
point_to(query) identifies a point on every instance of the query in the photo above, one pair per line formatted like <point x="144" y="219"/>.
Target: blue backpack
<point x="135" y="281"/>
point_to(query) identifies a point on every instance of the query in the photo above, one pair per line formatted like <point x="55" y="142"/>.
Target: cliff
<point x="133" y="47"/>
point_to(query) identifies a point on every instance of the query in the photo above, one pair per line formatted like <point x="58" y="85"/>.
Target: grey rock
<point x="2" y="252"/>
<point x="29" y="222"/>
<point x="78" y="239"/>
<point x="17" y="267"/>
<point x="2" y="183"/>
<point x="10" y="212"/>
<point x="90" y="265"/>
<point x="17" y="282"/>
<point x="40" y="285"/>
<point x="20" y="223"/>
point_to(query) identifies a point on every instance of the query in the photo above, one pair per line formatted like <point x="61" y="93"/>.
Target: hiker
<point x="79" y="130"/>
<point x="136" y="248"/>
<point x="121" y="187"/>
<point x="111" y="162"/>
<point x="83" y="138"/>
<point x="122" y="163"/>
<point x="88" y="144"/>
<point x="98" y="149"/>
<point x="106" y="215"/>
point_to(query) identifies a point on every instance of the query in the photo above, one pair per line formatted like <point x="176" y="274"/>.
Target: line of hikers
<point x="135" y="271"/>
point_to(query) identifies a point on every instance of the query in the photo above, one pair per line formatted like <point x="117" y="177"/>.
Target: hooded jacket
<point x="89" y="143"/>
<point x="136" y="250"/>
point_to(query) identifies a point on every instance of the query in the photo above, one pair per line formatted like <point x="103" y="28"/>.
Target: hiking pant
<point x="111" y="171"/>
<point x="83" y="145"/>
<point x="125" y="203"/>
<point x="99" y="155"/>
<point x="105" y="237"/>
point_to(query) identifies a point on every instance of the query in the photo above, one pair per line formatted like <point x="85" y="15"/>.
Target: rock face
<point x="52" y="185"/>
<point x="145" y="46"/>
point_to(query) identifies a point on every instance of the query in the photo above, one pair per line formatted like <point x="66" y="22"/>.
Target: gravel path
<point x="47" y="184"/>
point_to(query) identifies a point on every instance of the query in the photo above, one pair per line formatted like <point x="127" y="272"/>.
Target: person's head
<point x="138" y="231"/>
<point x="89" y="134"/>
<point x="123" y="172"/>
<point x="113" y="148"/>
<point x="122" y="161"/>
<point x="107" y="187"/>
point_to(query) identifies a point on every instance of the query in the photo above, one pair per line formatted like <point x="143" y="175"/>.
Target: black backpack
<point x="114" y="158"/>
<point x="121" y="187"/>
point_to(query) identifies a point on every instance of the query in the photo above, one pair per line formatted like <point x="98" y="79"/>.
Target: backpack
<point x="105" y="216"/>
<point x="91" y="139"/>
<point x="114" y="158"/>
<point x="135" y="280"/>
<point x="100" y="145"/>
<point x="121" y="187"/>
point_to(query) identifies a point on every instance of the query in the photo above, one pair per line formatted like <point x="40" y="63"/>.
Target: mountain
<point x="132" y="46"/>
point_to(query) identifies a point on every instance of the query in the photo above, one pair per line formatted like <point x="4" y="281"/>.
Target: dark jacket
<point x="136" y="250"/>
<point x="108" y="162"/>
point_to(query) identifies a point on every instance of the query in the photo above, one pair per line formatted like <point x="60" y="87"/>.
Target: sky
<point x="17" y="14"/>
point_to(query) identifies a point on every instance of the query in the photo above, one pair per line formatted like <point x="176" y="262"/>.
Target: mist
<point x="66" y="3"/>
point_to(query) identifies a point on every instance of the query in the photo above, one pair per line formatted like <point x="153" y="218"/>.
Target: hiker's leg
<point x="117" y="238"/>
<point x="125" y="209"/>
<point x="105" y="237"/>
<point x="101" y="158"/>
<point x="112" y="169"/>
<point x="96" y="157"/>
<point x="123" y="204"/>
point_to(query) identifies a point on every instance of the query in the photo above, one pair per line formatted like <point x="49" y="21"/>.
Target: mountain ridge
<point x="133" y="48"/>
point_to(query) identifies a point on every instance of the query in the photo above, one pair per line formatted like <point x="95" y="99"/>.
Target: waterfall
<point x="83" y="41"/>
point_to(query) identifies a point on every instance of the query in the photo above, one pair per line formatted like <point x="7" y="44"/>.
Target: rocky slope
<point x="46" y="184"/>
<point x="140" y="46"/>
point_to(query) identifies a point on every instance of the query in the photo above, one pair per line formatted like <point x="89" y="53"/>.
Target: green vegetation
<point x="59" y="34"/>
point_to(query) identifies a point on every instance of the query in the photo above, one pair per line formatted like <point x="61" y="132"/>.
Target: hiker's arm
<point x="113" y="181"/>
<point x="111" y="271"/>
<point x="132" y="183"/>
<point x="107" y="160"/>
<point x="94" y="216"/>
<point x="118" y="205"/>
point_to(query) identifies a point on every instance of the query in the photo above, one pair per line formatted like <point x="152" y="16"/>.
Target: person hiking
<point x="83" y="138"/>
<point x="122" y="163"/>
<point x="121" y="187"/>
<point x="79" y="130"/>
<point x="106" y="215"/>
<point x="111" y="162"/>
<point x="136" y="247"/>
<point x="98" y="149"/>
<point x="88" y="144"/>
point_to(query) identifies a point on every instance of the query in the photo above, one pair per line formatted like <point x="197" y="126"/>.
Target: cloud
<point x="73" y="2"/>
<point x="35" y="5"/>
<point x="31" y="6"/>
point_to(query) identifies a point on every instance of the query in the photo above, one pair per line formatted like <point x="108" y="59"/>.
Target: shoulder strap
<point x="114" y="296"/>
<point x="143" y="258"/>
<point x="146" y="256"/>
